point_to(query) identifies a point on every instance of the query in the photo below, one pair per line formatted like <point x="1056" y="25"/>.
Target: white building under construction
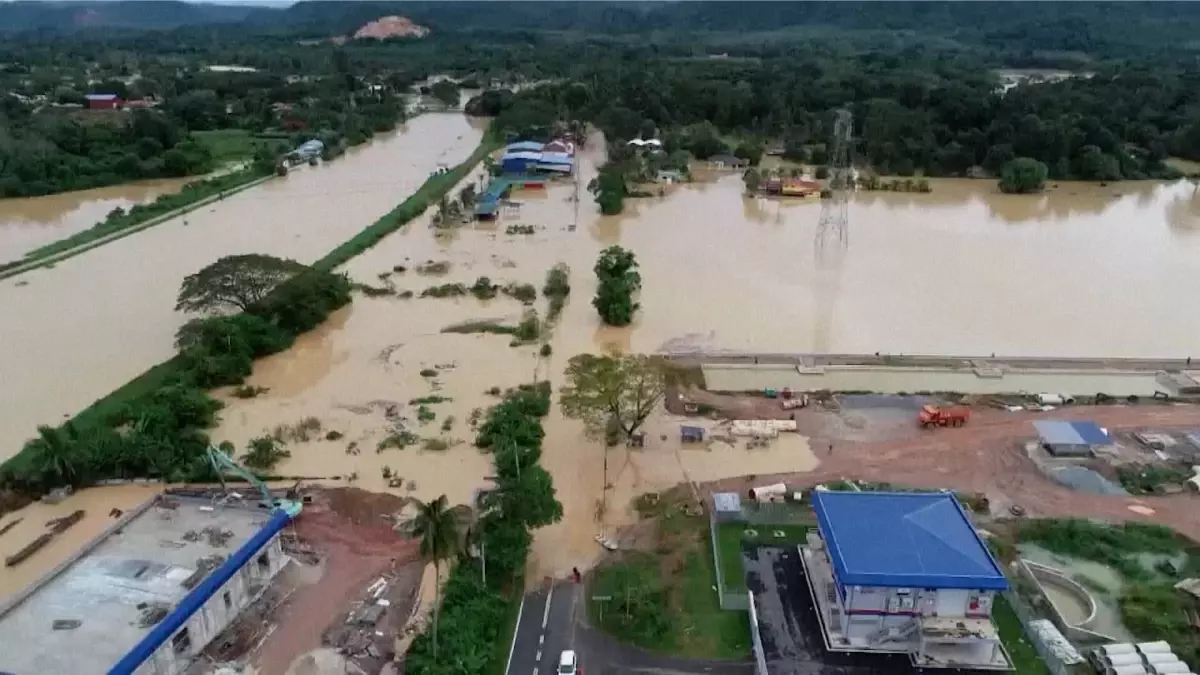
<point x="904" y="573"/>
<point x="147" y="595"/>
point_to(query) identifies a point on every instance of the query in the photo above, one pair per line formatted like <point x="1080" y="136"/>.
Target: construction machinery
<point x="935" y="416"/>
<point x="223" y="464"/>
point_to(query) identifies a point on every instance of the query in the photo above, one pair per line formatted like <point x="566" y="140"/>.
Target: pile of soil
<point x="361" y="507"/>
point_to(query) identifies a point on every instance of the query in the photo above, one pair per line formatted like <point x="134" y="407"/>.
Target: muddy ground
<point x="342" y="543"/>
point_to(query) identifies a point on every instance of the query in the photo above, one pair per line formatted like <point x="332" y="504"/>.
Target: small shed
<point x="103" y="101"/>
<point x="1063" y="438"/>
<point x="727" y="162"/>
<point x="691" y="434"/>
<point x="727" y="507"/>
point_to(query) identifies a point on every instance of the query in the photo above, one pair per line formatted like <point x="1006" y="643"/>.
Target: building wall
<point x="867" y="609"/>
<point x="218" y="612"/>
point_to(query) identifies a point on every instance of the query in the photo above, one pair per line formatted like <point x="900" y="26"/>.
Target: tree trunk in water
<point x="437" y="603"/>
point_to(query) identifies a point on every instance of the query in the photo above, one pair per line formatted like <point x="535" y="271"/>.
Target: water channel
<point x="26" y="224"/>
<point x="75" y="332"/>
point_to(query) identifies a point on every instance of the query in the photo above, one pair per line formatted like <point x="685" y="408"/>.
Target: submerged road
<point x="553" y="619"/>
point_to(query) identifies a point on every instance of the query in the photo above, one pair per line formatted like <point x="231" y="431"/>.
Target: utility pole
<point x="835" y="210"/>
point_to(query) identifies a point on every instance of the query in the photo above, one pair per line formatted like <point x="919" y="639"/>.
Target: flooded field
<point x="78" y="330"/>
<point x="1082" y="271"/>
<point x="26" y="224"/>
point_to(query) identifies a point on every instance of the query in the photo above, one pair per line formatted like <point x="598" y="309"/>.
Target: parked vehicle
<point x="933" y="416"/>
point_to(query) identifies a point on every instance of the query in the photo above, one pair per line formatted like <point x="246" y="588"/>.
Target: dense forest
<point x="921" y="79"/>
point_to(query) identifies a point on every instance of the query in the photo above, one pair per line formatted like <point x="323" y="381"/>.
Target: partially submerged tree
<point x="616" y="271"/>
<point x="1023" y="175"/>
<point x="234" y="282"/>
<point x="617" y="390"/>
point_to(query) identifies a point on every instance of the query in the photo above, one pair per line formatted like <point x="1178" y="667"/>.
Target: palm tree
<point x="439" y="528"/>
<point x="57" y="447"/>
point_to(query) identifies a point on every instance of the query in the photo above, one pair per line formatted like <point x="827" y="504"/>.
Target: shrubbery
<point x="474" y="612"/>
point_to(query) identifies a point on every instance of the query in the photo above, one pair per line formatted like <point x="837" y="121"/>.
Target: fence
<point x="734" y="596"/>
<point x="760" y="657"/>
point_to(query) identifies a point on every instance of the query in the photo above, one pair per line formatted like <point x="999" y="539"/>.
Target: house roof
<point x="557" y="158"/>
<point x="524" y="146"/>
<point x="101" y="97"/>
<point x="1062" y="432"/>
<point x="521" y="154"/>
<point x="904" y="540"/>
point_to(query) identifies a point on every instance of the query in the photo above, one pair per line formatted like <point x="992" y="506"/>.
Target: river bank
<point x="123" y="294"/>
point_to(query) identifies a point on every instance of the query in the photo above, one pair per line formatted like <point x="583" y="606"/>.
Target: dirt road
<point x="988" y="456"/>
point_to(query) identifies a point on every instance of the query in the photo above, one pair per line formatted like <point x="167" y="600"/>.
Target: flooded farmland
<point x="78" y="330"/>
<point x="1082" y="271"/>
<point x="26" y="224"/>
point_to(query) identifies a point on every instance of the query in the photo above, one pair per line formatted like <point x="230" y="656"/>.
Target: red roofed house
<point x="103" y="101"/>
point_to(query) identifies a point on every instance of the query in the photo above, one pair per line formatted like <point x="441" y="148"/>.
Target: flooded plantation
<point x="89" y="324"/>
<point x="29" y="223"/>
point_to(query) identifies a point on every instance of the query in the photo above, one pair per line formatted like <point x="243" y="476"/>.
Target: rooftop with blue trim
<point x="904" y="540"/>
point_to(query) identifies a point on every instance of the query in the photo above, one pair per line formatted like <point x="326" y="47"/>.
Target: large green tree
<point x="1023" y="175"/>
<point x="235" y="282"/>
<point x="618" y="280"/>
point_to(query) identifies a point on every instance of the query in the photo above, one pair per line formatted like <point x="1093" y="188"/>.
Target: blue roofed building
<point x="524" y="146"/>
<point x="904" y="572"/>
<point x="1063" y="438"/>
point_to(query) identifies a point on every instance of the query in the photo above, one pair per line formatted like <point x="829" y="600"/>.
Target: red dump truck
<point x="934" y="416"/>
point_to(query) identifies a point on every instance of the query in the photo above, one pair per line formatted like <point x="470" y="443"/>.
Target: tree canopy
<point x="616" y="272"/>
<point x="618" y="391"/>
<point x="235" y="282"/>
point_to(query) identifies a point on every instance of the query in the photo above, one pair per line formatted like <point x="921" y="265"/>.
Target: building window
<point x="264" y="563"/>
<point x="182" y="642"/>
<point x="228" y="600"/>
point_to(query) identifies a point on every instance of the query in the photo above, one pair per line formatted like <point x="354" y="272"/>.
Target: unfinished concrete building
<point x="147" y="595"/>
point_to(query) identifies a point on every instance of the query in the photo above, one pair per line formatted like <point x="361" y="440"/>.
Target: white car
<point x="568" y="664"/>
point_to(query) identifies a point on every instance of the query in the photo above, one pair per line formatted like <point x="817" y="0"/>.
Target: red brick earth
<point x="988" y="456"/>
<point x="347" y="526"/>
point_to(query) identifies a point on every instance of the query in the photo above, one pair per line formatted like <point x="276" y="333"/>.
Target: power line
<point x="835" y="210"/>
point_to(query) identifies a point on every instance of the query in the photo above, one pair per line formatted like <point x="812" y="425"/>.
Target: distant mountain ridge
<point x="24" y="15"/>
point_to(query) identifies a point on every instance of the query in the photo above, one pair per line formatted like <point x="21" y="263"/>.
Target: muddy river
<point x="26" y="224"/>
<point x="1084" y="270"/>
<point x="75" y="332"/>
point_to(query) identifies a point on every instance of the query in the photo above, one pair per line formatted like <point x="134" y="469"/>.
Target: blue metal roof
<point x="535" y="156"/>
<point x="1062" y="432"/>
<point x="904" y="540"/>
<point x="101" y="97"/>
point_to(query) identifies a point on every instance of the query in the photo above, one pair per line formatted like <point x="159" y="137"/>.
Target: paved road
<point x="554" y="619"/>
<point x="545" y="629"/>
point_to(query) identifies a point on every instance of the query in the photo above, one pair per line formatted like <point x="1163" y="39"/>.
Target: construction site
<point x="225" y="580"/>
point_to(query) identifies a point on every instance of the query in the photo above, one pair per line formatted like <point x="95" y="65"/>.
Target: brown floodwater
<point x="96" y="504"/>
<point x="26" y="224"/>
<point x="75" y="332"/>
<point x="1083" y="270"/>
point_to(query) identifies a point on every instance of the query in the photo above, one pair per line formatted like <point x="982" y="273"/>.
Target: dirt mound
<point x="389" y="27"/>
<point x="361" y="507"/>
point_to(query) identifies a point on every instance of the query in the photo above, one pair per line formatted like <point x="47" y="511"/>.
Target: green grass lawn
<point x="664" y="601"/>
<point x="729" y="543"/>
<point x="228" y="145"/>
<point x="1024" y="657"/>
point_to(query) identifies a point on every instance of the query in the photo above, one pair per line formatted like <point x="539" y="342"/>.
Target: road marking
<point x="516" y="629"/>
<point x="539" y="656"/>
<point x="546" y="612"/>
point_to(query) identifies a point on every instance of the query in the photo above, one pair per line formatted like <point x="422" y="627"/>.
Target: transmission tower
<point x="835" y="211"/>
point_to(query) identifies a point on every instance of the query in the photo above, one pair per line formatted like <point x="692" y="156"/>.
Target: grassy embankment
<point x="170" y="389"/>
<point x="139" y="217"/>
